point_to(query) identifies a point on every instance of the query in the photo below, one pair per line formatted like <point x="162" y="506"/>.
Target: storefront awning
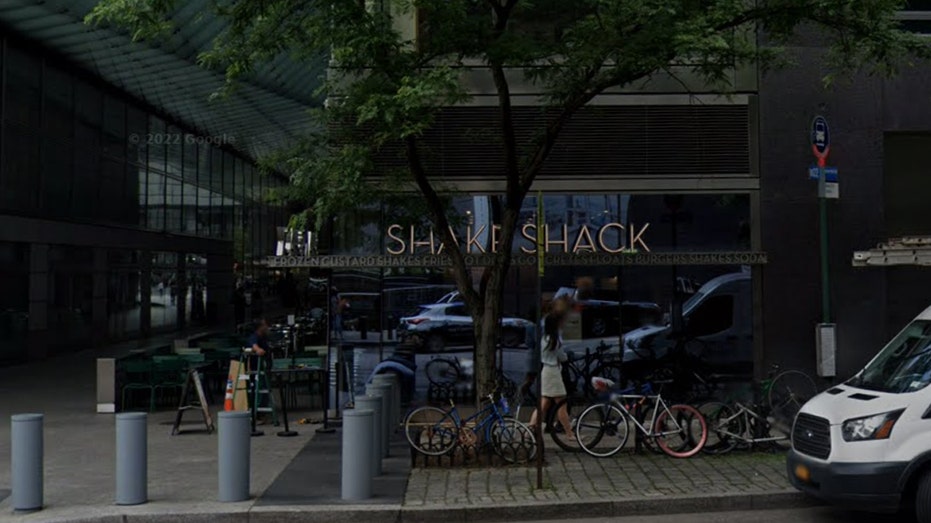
<point x="551" y="260"/>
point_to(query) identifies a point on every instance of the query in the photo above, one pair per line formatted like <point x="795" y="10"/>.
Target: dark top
<point x="261" y="341"/>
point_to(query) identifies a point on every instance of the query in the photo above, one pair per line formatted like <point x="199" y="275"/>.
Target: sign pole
<point x="821" y="146"/>
<point x="825" y="267"/>
<point x="538" y="426"/>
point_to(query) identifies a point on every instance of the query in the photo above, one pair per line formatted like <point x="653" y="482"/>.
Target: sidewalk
<point x="297" y="479"/>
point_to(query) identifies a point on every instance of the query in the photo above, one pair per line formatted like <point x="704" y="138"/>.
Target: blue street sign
<point x="830" y="173"/>
<point x="820" y="136"/>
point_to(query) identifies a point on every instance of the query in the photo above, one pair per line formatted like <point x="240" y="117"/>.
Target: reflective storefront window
<point x="165" y="289"/>
<point x="124" y="297"/>
<point x="632" y="310"/>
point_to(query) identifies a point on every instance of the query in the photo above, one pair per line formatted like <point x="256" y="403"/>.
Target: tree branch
<point x="505" y="111"/>
<point x="441" y="222"/>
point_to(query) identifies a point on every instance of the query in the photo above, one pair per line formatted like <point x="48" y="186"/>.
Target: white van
<point x="720" y="315"/>
<point x="867" y="443"/>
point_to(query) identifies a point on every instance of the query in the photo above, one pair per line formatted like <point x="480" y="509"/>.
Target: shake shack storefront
<point x="626" y="261"/>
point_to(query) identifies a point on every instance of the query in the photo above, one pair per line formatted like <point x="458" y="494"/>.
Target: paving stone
<point x="576" y="478"/>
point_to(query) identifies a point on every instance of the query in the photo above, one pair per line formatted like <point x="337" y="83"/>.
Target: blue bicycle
<point x="434" y="432"/>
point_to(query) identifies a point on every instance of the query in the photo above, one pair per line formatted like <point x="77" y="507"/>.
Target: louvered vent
<point x="636" y="140"/>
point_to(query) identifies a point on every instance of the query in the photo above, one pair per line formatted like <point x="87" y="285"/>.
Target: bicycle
<point x="603" y="429"/>
<point x="434" y="432"/>
<point x="577" y="398"/>
<point x="735" y="423"/>
<point x="444" y="373"/>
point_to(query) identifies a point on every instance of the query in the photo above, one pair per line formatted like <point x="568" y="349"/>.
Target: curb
<point x="541" y="511"/>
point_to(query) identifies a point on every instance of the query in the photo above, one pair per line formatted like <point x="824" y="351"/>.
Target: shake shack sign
<point x="610" y="238"/>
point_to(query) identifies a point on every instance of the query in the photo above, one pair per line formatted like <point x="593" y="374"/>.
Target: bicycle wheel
<point x="602" y="430"/>
<point x="787" y="393"/>
<point x="575" y="406"/>
<point x="513" y="441"/>
<point x="723" y="424"/>
<point x="680" y="431"/>
<point x="431" y="431"/>
<point x="441" y="371"/>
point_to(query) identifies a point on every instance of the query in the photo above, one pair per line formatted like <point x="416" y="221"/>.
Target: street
<point x="804" y="515"/>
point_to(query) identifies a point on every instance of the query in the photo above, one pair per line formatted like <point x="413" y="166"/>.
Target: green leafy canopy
<point x="392" y="85"/>
<point x="386" y="84"/>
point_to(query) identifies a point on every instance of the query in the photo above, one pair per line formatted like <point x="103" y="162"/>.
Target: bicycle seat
<point x="602" y="384"/>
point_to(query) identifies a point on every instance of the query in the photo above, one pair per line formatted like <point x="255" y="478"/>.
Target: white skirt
<point x="551" y="382"/>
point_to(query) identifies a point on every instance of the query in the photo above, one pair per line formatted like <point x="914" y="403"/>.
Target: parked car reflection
<point x="441" y="326"/>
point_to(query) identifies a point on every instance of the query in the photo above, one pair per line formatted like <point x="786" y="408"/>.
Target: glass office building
<point x="116" y="221"/>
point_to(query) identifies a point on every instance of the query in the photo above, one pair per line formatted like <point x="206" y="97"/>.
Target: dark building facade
<point x="117" y="220"/>
<point x="881" y="144"/>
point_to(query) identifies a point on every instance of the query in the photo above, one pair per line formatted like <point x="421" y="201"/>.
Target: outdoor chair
<point x="138" y="375"/>
<point x="169" y="373"/>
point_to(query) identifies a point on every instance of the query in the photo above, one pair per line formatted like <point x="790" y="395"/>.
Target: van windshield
<point x="903" y="366"/>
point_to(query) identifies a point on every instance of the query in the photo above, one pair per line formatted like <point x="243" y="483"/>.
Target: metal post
<point x="131" y="458"/>
<point x="358" y="426"/>
<point x="234" y="448"/>
<point x="825" y="270"/>
<point x="395" y="412"/>
<point x="26" y="461"/>
<point x="384" y="391"/>
<point x="374" y="404"/>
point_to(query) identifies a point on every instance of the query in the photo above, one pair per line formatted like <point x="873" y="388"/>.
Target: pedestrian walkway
<point x="297" y="478"/>
<point x="574" y="477"/>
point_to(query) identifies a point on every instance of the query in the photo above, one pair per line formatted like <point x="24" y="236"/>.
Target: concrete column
<point x="394" y="415"/>
<point x="26" y="466"/>
<point x="383" y="391"/>
<point x="38" y="300"/>
<point x="356" y="480"/>
<point x="374" y="404"/>
<point x="131" y="458"/>
<point x="234" y="454"/>
<point x="99" y="277"/>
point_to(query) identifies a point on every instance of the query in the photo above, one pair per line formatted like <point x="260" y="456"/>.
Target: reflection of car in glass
<point x="719" y="316"/>
<point x="442" y="325"/>
<point x="864" y="444"/>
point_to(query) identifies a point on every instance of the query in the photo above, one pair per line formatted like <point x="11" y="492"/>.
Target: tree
<point x="386" y="86"/>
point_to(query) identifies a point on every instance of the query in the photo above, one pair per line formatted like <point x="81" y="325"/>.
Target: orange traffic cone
<point x="228" y="402"/>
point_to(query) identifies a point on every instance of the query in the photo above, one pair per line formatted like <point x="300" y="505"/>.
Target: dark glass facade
<point x="83" y="160"/>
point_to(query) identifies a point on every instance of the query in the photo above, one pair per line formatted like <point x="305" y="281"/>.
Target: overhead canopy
<point x="265" y="113"/>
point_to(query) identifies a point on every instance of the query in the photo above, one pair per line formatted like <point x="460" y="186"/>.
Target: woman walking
<point x="552" y="356"/>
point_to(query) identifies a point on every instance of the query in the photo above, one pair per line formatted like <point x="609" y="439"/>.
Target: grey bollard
<point x="234" y="449"/>
<point x="131" y="458"/>
<point x="374" y="404"/>
<point x="356" y="480"/>
<point x="392" y="379"/>
<point x="383" y="390"/>
<point x="26" y="447"/>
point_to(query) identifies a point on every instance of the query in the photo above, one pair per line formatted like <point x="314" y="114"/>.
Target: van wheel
<point x="923" y="498"/>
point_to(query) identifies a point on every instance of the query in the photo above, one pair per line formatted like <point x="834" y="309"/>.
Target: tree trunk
<point x="487" y="321"/>
<point x="486" y="339"/>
